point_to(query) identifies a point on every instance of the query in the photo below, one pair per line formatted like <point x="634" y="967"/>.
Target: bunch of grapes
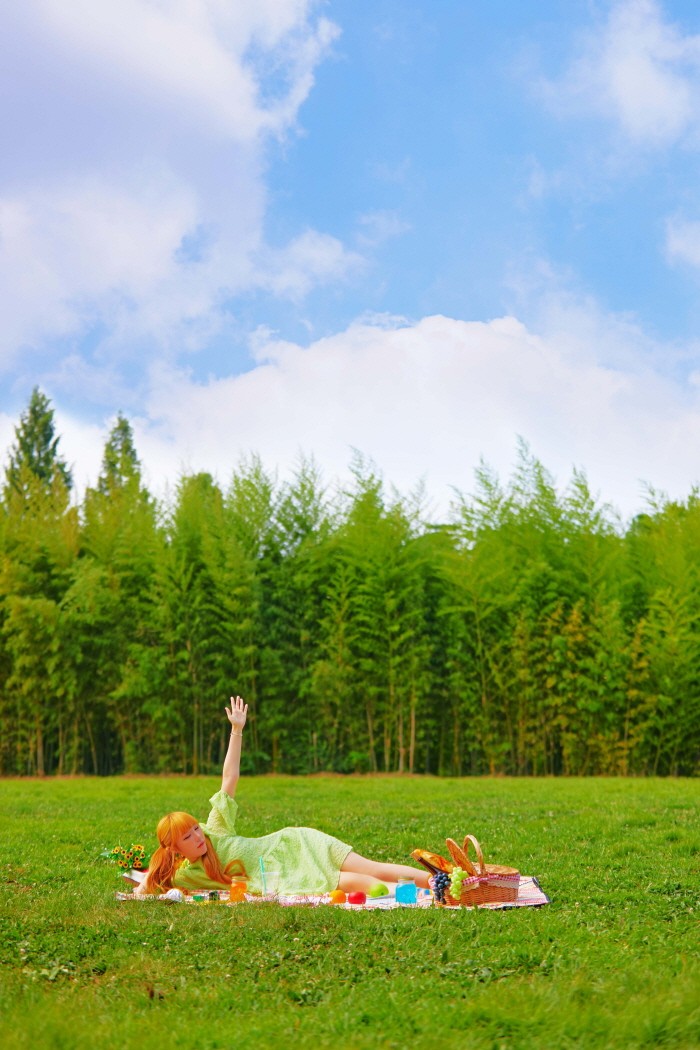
<point x="456" y="879"/>
<point x="441" y="882"/>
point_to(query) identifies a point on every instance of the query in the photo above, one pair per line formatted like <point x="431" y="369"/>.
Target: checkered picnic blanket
<point x="530" y="895"/>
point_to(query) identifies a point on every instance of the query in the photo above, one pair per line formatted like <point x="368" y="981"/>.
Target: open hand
<point x="237" y="713"/>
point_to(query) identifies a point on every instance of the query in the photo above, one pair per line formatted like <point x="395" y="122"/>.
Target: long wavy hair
<point x="166" y="860"/>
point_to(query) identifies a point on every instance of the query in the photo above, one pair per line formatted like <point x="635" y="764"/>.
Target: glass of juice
<point x="238" y="890"/>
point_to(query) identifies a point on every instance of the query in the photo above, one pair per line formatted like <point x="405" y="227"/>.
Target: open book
<point x="134" y="876"/>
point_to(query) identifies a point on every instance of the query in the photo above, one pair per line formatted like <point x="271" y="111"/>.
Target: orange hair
<point x="166" y="860"/>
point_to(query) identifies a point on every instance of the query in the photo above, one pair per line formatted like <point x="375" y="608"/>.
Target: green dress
<point x="308" y="861"/>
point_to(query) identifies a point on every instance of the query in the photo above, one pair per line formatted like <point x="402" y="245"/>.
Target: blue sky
<point x="416" y="229"/>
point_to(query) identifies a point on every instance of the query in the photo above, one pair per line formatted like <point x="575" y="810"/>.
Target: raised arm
<point x="236" y="715"/>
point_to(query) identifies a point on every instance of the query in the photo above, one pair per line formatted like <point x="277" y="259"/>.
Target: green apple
<point x="379" y="890"/>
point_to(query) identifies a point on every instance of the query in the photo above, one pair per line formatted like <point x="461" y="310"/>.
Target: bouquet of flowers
<point x="133" y="857"/>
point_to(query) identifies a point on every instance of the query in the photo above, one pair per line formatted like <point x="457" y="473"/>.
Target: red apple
<point x="358" y="897"/>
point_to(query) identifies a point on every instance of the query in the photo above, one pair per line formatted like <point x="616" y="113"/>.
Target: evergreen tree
<point x="34" y="457"/>
<point x="294" y="575"/>
<point x="40" y="542"/>
<point x="531" y="634"/>
<point x="191" y="618"/>
<point x="114" y="613"/>
<point x="120" y="463"/>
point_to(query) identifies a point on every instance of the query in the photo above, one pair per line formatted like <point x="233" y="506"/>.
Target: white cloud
<point x="427" y="401"/>
<point x="311" y="258"/>
<point x="683" y="241"/>
<point x="7" y="435"/>
<point x="376" y="227"/>
<point x="86" y="249"/>
<point x="132" y="194"/>
<point x="638" y="71"/>
<point x="196" y="57"/>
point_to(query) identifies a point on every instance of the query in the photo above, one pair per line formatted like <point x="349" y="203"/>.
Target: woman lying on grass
<point x="192" y="857"/>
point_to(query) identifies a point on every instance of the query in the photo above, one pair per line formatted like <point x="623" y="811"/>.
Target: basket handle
<point x="479" y="854"/>
<point x="459" y="856"/>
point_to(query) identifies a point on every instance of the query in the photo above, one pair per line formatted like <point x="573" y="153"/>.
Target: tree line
<point x="531" y="633"/>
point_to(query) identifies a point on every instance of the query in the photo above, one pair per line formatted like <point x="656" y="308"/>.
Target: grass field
<point x="613" y="961"/>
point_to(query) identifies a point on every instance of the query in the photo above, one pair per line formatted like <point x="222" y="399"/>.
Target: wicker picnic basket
<point x="484" y="884"/>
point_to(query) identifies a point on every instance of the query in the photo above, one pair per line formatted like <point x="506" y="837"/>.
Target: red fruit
<point x="358" y="897"/>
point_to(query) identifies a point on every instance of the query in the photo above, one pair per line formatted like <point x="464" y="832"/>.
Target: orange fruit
<point x="337" y="897"/>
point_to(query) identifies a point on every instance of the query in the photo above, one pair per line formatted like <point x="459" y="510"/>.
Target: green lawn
<point x="613" y="961"/>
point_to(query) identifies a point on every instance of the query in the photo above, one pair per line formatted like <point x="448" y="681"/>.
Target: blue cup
<point x="406" y="893"/>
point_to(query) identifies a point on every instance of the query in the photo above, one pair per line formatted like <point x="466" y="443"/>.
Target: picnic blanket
<point x="530" y="895"/>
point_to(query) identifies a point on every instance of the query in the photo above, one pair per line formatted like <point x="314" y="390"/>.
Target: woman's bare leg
<point x="350" y="881"/>
<point x="366" y="872"/>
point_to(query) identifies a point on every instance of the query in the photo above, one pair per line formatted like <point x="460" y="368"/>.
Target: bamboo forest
<point x="532" y="633"/>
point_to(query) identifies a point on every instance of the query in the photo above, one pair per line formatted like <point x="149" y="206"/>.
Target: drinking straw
<point x="262" y="873"/>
